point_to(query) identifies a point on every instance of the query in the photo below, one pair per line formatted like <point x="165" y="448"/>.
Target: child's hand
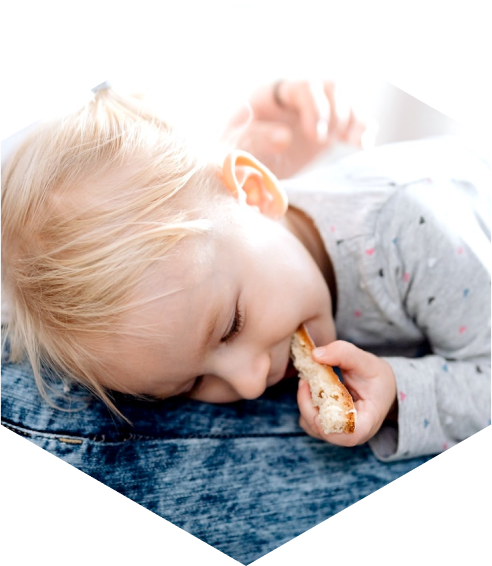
<point x="371" y="382"/>
<point x="291" y="122"/>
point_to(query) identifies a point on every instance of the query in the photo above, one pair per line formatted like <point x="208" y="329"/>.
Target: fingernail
<point x="318" y="352"/>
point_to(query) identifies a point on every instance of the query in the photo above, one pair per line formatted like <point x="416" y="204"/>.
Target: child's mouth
<point x="291" y="371"/>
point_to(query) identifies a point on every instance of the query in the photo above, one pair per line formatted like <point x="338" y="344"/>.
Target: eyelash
<point x="237" y="325"/>
<point x="236" y="328"/>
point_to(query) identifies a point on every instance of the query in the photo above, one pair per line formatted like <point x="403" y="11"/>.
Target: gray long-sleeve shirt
<point x="407" y="227"/>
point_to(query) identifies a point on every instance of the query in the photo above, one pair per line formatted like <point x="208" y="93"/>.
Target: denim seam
<point x="101" y="438"/>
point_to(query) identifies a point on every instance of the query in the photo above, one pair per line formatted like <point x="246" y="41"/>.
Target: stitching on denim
<point x="14" y="429"/>
<point x="31" y="433"/>
<point x="103" y="439"/>
<point x="126" y="437"/>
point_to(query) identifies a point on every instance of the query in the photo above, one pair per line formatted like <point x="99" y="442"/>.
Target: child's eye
<point x="236" y="327"/>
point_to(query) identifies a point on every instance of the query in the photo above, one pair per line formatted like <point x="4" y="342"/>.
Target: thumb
<point x="347" y="357"/>
<point x="315" y="115"/>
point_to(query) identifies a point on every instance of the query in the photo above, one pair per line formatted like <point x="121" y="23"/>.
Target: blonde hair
<point x="90" y="202"/>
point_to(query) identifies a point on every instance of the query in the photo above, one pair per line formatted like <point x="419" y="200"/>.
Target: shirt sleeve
<point x="437" y="258"/>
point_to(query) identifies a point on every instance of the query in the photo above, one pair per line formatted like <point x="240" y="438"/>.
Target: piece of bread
<point x="336" y="406"/>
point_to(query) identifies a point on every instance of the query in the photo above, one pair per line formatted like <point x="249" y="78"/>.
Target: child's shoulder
<point x="442" y="177"/>
<point x="438" y="216"/>
<point x="441" y="199"/>
<point x="430" y="173"/>
<point x="436" y="188"/>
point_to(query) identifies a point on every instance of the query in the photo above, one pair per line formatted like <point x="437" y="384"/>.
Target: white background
<point x="203" y="76"/>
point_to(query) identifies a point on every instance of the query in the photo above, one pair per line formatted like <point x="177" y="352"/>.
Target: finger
<point x="309" y="413"/>
<point x="354" y="131"/>
<point x="310" y="102"/>
<point x="346" y="439"/>
<point x="309" y="429"/>
<point x="358" y="126"/>
<point x="340" y="110"/>
<point x="324" y="109"/>
<point x="304" y="400"/>
<point x="348" y="358"/>
<point x="310" y="421"/>
<point x="362" y="128"/>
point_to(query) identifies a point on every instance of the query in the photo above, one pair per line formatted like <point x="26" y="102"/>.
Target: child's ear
<point x="251" y="182"/>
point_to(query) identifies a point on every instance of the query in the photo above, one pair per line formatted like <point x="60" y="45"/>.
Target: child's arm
<point x="289" y="123"/>
<point x="439" y="259"/>
<point x="427" y="404"/>
<point x="428" y="270"/>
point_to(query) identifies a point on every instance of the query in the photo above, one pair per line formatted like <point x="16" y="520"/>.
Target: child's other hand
<point x="290" y="123"/>
<point x="371" y="382"/>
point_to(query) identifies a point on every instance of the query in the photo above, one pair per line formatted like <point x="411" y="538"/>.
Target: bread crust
<point x="339" y="398"/>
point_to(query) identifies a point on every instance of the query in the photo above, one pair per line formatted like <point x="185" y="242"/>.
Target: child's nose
<point x="249" y="380"/>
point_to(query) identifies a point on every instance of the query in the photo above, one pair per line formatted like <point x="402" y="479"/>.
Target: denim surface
<point x="242" y="477"/>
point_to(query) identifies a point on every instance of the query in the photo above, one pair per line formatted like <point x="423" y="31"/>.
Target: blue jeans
<point x="243" y="477"/>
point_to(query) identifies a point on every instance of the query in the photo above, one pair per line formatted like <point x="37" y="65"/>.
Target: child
<point x="135" y="266"/>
